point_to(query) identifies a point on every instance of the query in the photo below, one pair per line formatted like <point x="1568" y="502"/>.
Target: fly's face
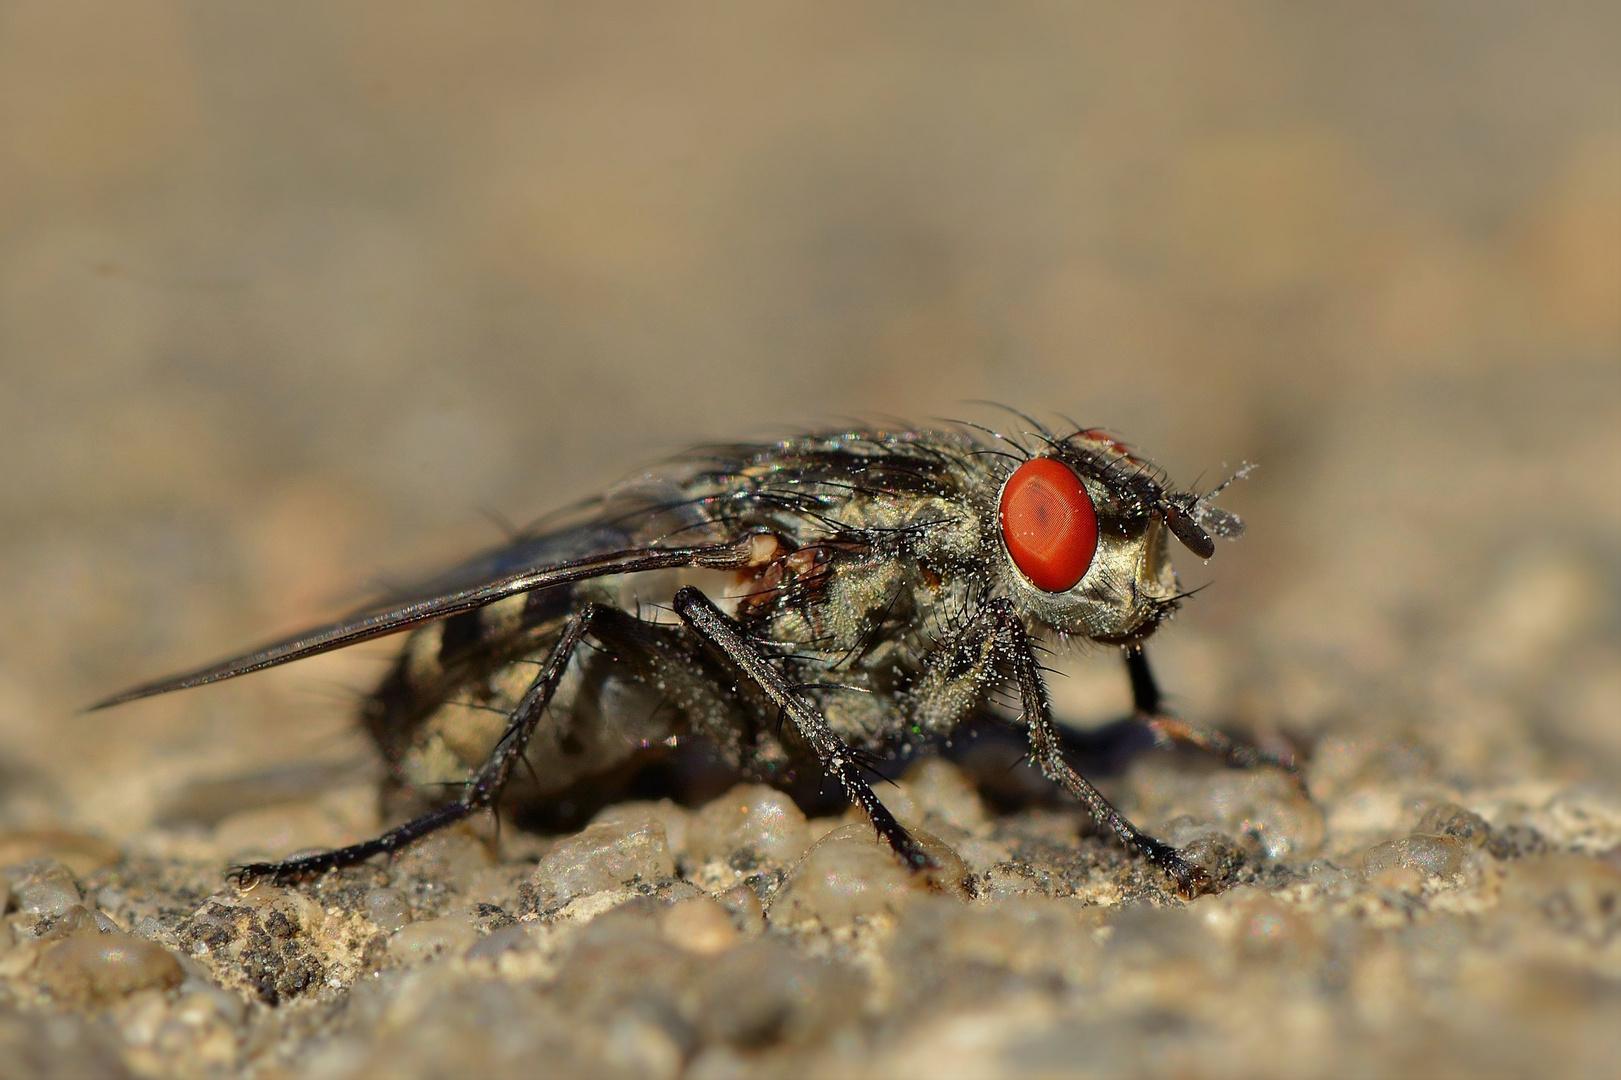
<point x="1083" y="532"/>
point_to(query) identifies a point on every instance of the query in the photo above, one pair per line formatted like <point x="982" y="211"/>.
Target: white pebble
<point x="387" y="908"/>
<point x="674" y="818"/>
<point x="453" y="933"/>
<point x="750" y="817"/>
<point x="605" y="856"/>
<point x="92" y="966"/>
<point x="701" y="925"/>
<point x="45" y="887"/>
<point x="850" y="875"/>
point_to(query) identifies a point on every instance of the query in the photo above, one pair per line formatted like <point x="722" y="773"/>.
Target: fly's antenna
<point x="1194" y="519"/>
<point x="1241" y="473"/>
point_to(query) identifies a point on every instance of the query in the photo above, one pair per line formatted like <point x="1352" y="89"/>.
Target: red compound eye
<point x="1049" y="524"/>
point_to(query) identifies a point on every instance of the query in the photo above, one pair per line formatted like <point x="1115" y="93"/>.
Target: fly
<point x="823" y="599"/>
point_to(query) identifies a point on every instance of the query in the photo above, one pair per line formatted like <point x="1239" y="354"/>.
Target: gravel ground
<point x="1446" y="901"/>
<point x="285" y="299"/>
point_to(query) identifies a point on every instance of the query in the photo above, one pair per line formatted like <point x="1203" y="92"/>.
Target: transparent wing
<point x="414" y="612"/>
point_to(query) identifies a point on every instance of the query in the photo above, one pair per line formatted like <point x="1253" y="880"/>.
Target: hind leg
<point x="480" y="792"/>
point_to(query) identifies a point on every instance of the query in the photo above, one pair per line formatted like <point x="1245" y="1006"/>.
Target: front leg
<point x="1012" y="647"/>
<point x="1169" y="730"/>
<point x="727" y="638"/>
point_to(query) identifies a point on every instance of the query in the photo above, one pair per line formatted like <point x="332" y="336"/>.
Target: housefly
<point x="823" y="599"/>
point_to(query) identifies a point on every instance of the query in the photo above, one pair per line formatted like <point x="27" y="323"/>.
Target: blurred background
<point x="294" y="296"/>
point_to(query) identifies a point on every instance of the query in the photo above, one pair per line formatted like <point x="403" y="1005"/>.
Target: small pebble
<point x="701" y="925"/>
<point x="1397" y="879"/>
<point x="747" y="911"/>
<point x="1452" y="820"/>
<point x="763" y="991"/>
<point x="451" y="855"/>
<point x="1264" y="812"/>
<point x="44" y="887"/>
<point x="511" y="938"/>
<point x="850" y="874"/>
<point x="673" y="817"/>
<point x="980" y="854"/>
<point x="642" y="1048"/>
<point x="387" y="908"/>
<point x="1429" y="856"/>
<point x="22" y="955"/>
<point x="494" y="885"/>
<point x="453" y="933"/>
<point x="97" y="967"/>
<point x="199" y="1008"/>
<point x="76" y="919"/>
<point x="283" y="911"/>
<point x="1033" y="937"/>
<point x="620" y="961"/>
<point x="604" y="856"/>
<point x="1574" y="894"/>
<point x="1259" y="926"/>
<point x="1261" y="810"/>
<point x="222" y="1003"/>
<point x="752" y="818"/>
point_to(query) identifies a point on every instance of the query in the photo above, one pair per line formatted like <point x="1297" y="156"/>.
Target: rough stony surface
<point x="1483" y="937"/>
<point x="289" y="293"/>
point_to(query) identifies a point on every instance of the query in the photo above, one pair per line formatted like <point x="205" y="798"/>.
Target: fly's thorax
<point x="952" y="536"/>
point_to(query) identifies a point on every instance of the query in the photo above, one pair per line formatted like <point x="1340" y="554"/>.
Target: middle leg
<point x="725" y="636"/>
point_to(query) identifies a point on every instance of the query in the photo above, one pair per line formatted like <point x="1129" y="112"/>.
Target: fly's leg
<point x="1171" y="730"/>
<point x="726" y="637"/>
<point x="481" y="790"/>
<point x="1013" y="647"/>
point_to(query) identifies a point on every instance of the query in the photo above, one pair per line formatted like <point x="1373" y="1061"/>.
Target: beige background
<point x="290" y="293"/>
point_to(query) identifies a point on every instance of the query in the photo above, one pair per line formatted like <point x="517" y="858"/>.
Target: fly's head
<point x="1083" y="530"/>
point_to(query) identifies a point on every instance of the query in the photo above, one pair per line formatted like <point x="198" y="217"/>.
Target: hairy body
<point x="819" y="600"/>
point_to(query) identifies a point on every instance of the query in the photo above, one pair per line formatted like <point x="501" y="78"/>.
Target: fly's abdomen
<point x="439" y="713"/>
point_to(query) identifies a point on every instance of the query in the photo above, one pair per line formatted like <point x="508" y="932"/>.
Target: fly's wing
<point x="688" y="515"/>
<point x="652" y="511"/>
<point x="655" y="522"/>
<point x="522" y="552"/>
<point x="477" y="584"/>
